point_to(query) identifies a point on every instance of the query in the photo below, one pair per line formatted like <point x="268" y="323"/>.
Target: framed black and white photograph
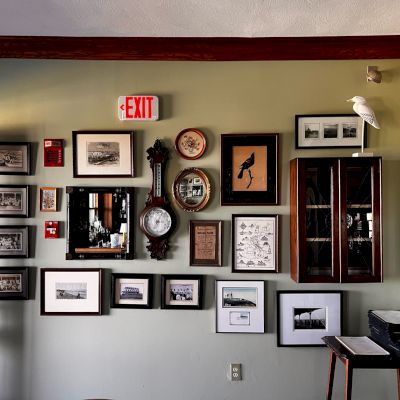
<point x="329" y="131"/>
<point x="103" y="154"/>
<point x="254" y="243"/>
<point x="14" y="283"/>
<point x="71" y="291"/>
<point x="182" y="291"/>
<point x="15" y="158"/>
<point x="131" y="291"/>
<point x="239" y="306"/>
<point x="14" y="241"/>
<point x="14" y="201"/>
<point x="304" y="317"/>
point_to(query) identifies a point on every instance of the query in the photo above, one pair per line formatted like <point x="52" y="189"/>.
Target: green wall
<point x="169" y="354"/>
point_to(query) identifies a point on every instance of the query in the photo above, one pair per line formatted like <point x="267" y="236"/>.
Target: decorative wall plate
<point x="190" y="143"/>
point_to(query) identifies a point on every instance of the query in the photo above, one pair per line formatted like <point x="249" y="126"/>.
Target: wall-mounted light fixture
<point x="373" y="75"/>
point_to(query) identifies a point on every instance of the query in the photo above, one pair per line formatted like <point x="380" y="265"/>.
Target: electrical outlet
<point x="236" y="372"/>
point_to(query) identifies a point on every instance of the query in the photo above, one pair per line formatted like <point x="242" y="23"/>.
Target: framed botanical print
<point x="14" y="283"/>
<point x="48" y="199"/>
<point x="249" y="169"/>
<point x="103" y="154"/>
<point x="14" y="201"/>
<point x="15" y="158"/>
<point x="71" y="291"/>
<point x="254" y="243"/>
<point x="239" y="306"/>
<point x="205" y="243"/>
<point x="14" y="241"/>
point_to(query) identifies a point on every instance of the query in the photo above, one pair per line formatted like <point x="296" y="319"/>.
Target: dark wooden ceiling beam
<point x="200" y="49"/>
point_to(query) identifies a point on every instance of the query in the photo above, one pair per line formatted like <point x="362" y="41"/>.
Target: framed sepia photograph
<point x="48" y="199"/>
<point x="71" y="291"/>
<point x="14" y="283"/>
<point x="182" y="292"/>
<point x="254" y="243"/>
<point x="249" y="169"/>
<point x="14" y="241"/>
<point x="15" y="158"/>
<point x="131" y="291"/>
<point x="206" y="243"/>
<point x="304" y="317"/>
<point x="329" y="131"/>
<point x="14" y="201"/>
<point x="103" y="154"/>
<point x="239" y="306"/>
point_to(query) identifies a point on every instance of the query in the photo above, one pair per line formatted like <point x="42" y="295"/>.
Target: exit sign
<point x="138" y="108"/>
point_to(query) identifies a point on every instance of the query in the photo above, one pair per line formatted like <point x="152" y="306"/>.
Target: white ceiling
<point x="170" y="18"/>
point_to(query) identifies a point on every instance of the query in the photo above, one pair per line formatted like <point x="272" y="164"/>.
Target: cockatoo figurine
<point x="361" y="108"/>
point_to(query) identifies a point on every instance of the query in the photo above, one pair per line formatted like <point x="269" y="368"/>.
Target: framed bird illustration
<point x="249" y="169"/>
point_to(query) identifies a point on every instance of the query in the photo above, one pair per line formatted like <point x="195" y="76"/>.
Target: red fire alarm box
<point x="51" y="229"/>
<point x="53" y="152"/>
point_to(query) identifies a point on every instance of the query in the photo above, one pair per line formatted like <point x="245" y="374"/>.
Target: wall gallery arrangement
<point x="100" y="221"/>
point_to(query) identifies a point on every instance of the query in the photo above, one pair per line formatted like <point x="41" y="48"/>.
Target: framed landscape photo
<point x="205" y="243"/>
<point x="254" y="243"/>
<point x="48" y="199"/>
<point x="15" y="158"/>
<point x="103" y="154"/>
<point x="14" y="283"/>
<point x="239" y="306"/>
<point x="71" y="291"/>
<point x="14" y="201"/>
<point x="329" y="131"/>
<point x="304" y="317"/>
<point x="249" y="169"/>
<point x="14" y="241"/>
<point x="131" y="291"/>
<point x="182" y="292"/>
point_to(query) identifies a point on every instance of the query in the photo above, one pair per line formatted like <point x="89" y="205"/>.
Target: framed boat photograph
<point x="15" y="158"/>
<point x="14" y="201"/>
<point x="14" y="283"/>
<point x="14" y="241"/>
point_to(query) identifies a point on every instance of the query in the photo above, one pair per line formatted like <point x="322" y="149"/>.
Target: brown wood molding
<point x="200" y="49"/>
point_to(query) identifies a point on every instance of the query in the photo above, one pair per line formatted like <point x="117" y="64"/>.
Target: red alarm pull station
<point x="51" y="229"/>
<point x="53" y="152"/>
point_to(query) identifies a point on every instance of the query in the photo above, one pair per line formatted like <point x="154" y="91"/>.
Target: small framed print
<point x="249" y="169"/>
<point x="48" y="199"/>
<point x="131" y="291"/>
<point x="254" y="243"/>
<point x="14" y="283"/>
<point x="14" y="201"/>
<point x="190" y="143"/>
<point x="103" y="154"/>
<point x="71" y="291"/>
<point x="330" y="131"/>
<point x="304" y="317"/>
<point x="14" y="241"/>
<point x="182" y="292"/>
<point x="239" y="306"/>
<point x="15" y="158"/>
<point x="206" y="243"/>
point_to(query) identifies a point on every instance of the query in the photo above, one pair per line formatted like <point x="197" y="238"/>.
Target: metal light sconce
<point x="373" y="75"/>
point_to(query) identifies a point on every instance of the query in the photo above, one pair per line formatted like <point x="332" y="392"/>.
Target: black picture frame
<point x="99" y="169"/>
<point x="14" y="207"/>
<point x="181" y="281"/>
<point x="315" y="138"/>
<point x="14" y="283"/>
<point x="292" y="333"/>
<point x="147" y="279"/>
<point x="14" y="241"/>
<point x="15" y="158"/>
<point x="237" y="152"/>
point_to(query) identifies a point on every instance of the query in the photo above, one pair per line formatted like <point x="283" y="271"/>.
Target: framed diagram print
<point x="205" y="243"/>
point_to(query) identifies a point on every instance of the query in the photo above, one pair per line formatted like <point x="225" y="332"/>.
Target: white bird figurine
<point x="361" y="108"/>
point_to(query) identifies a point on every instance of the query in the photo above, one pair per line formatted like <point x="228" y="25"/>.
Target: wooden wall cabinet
<point x="335" y="219"/>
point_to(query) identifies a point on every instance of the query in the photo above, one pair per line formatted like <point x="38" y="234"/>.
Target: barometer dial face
<point x="157" y="221"/>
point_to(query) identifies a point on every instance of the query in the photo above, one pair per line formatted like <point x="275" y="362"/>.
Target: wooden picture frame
<point x="103" y="154"/>
<point x="255" y="240"/>
<point x="14" y="241"/>
<point x="71" y="291"/>
<point x="305" y="316"/>
<point x="14" y="283"/>
<point x="48" y="199"/>
<point x="324" y="131"/>
<point x="190" y="143"/>
<point x="15" y="158"/>
<point x="182" y="292"/>
<point x="206" y="243"/>
<point x="249" y="169"/>
<point x="14" y="201"/>
<point x="131" y="290"/>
